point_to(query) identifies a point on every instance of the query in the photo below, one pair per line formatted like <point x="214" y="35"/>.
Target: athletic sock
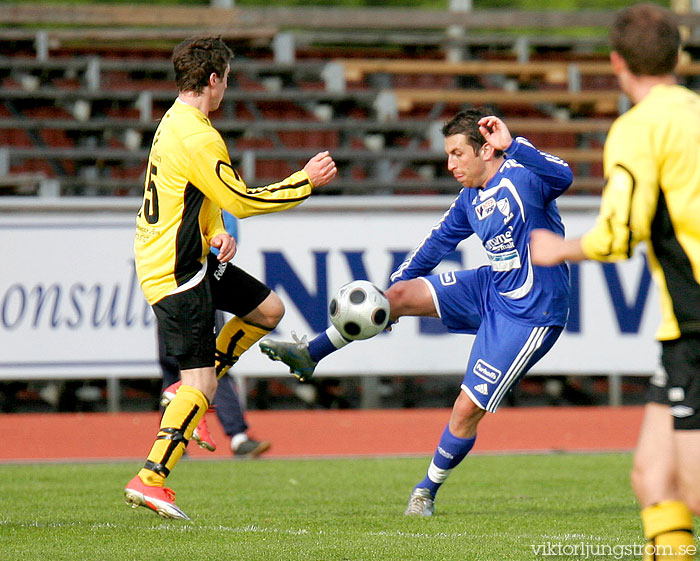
<point x="326" y="343"/>
<point x="235" y="338"/>
<point x="450" y="452"/>
<point x="176" y="427"/>
<point x="668" y="528"/>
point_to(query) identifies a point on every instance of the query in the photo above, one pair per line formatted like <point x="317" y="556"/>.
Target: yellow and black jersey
<point x="652" y="193"/>
<point x="188" y="181"/>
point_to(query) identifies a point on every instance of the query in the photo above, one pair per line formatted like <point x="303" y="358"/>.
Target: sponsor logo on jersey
<point x="486" y="208"/>
<point x="444" y="453"/>
<point x="483" y="389"/>
<point x="502" y="262"/>
<point x="501" y="242"/>
<point x="503" y="206"/>
<point x="448" y="279"/>
<point x="486" y="372"/>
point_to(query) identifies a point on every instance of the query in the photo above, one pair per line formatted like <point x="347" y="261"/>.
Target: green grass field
<point x="494" y="508"/>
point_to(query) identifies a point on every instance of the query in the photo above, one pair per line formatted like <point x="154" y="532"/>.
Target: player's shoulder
<point x="664" y="107"/>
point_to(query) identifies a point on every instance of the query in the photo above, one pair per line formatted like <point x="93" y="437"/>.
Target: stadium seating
<point x="79" y="101"/>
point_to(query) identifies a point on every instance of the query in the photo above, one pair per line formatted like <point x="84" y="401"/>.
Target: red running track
<point x="95" y="436"/>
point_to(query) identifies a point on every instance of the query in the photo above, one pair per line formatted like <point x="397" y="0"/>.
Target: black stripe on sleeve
<point x="247" y="195"/>
<point x="629" y="208"/>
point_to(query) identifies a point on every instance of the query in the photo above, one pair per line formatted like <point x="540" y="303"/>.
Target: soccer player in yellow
<point x="189" y="180"/>
<point x="652" y="194"/>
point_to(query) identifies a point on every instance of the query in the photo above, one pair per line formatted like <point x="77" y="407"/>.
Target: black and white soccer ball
<point x="359" y="310"/>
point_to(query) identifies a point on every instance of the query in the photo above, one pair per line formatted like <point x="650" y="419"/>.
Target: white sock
<point x="237" y="440"/>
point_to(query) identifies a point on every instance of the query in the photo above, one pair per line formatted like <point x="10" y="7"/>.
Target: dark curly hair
<point x="466" y="122"/>
<point x="196" y="59"/>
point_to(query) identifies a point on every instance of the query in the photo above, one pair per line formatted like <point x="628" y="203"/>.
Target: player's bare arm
<point x="549" y="249"/>
<point x="495" y="132"/>
<point x="321" y="169"/>
<point x="226" y="244"/>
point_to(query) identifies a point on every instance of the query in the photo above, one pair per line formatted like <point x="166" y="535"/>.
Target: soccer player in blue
<point x="516" y="310"/>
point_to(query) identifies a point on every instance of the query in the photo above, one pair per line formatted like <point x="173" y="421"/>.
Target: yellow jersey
<point x="652" y="194"/>
<point x="188" y="181"/>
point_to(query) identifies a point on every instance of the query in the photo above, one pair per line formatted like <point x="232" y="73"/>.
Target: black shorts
<point x="677" y="383"/>
<point x="186" y="319"/>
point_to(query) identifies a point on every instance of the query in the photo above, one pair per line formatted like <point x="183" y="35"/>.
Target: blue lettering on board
<point x="314" y="307"/>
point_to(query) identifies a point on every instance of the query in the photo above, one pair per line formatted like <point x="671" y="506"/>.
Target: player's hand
<point x="321" y="169"/>
<point x="226" y="244"/>
<point x="495" y="132"/>
<point x="546" y="247"/>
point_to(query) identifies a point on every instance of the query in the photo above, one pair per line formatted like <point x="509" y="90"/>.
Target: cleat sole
<point x="206" y="446"/>
<point x="136" y="499"/>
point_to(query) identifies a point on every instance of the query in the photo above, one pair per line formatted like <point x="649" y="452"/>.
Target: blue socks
<point x="320" y="347"/>
<point x="326" y="343"/>
<point x="450" y="452"/>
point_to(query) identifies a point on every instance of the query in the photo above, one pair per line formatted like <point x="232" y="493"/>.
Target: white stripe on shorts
<point x="436" y="302"/>
<point x="533" y="343"/>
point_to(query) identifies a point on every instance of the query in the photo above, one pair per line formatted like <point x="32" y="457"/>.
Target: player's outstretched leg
<point x="294" y="354"/>
<point x="301" y="355"/>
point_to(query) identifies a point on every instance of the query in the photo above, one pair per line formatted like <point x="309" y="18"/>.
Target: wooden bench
<point x="21" y="183"/>
<point x="550" y="72"/>
<point x="601" y="101"/>
<point x="410" y="127"/>
<point x="168" y="94"/>
<point x="150" y="65"/>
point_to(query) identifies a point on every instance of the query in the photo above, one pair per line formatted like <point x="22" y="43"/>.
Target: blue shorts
<point x="503" y="350"/>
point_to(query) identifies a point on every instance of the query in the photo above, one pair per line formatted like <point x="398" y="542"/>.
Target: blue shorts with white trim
<point x="503" y="350"/>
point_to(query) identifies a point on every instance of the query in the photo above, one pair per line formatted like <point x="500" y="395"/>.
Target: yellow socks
<point x="668" y="528"/>
<point x="176" y="427"/>
<point x="235" y="338"/>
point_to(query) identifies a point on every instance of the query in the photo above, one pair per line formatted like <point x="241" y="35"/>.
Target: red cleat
<point x="169" y="393"/>
<point x="202" y="436"/>
<point x="159" y="499"/>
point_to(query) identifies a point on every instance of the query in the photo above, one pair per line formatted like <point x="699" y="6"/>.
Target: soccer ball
<point x="359" y="310"/>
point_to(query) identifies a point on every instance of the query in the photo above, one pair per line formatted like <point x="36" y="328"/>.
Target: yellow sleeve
<point x="213" y="174"/>
<point x="629" y="197"/>
<point x="214" y="222"/>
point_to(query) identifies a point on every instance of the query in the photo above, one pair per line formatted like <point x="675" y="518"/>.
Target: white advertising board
<point x="70" y="305"/>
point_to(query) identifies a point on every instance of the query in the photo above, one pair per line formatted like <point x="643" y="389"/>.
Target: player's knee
<point x="271" y="310"/>
<point x="465" y="417"/>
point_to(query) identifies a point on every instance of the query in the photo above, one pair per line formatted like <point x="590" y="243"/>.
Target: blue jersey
<point x="518" y="198"/>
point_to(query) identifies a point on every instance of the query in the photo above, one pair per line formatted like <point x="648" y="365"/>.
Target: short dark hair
<point x="646" y="36"/>
<point x="466" y="122"/>
<point x="196" y="59"/>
